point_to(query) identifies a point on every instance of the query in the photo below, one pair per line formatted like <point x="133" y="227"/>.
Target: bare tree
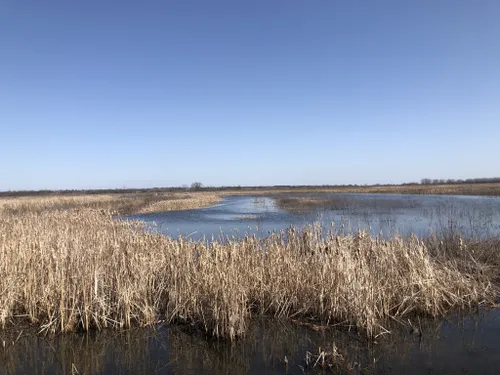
<point x="196" y="186"/>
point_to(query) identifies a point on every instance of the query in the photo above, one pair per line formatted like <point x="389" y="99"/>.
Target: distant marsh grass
<point x="119" y="204"/>
<point x="293" y="203"/>
<point x="483" y="189"/>
<point x="78" y="269"/>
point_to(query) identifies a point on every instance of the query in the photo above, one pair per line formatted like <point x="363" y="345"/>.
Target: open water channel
<point x="385" y="214"/>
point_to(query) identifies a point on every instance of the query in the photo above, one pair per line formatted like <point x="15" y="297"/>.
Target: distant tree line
<point x="436" y="181"/>
<point x="198" y="186"/>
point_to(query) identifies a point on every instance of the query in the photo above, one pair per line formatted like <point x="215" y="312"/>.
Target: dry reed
<point x="119" y="204"/>
<point x="65" y="270"/>
<point x="182" y="202"/>
<point x="484" y="189"/>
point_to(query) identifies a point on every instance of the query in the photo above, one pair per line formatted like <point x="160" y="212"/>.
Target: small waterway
<point x="385" y="214"/>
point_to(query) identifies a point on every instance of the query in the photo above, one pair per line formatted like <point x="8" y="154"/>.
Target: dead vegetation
<point x="297" y="203"/>
<point x="180" y="202"/>
<point x="119" y="204"/>
<point x="480" y="189"/>
<point x="79" y="269"/>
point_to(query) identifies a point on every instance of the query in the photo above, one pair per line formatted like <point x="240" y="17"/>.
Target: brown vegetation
<point x="480" y="186"/>
<point x="491" y="189"/>
<point x="485" y="189"/>
<point x="180" y="202"/>
<point x="293" y="203"/>
<point x="119" y="204"/>
<point x="65" y="270"/>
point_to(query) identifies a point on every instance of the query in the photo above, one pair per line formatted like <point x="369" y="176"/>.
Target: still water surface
<point x="457" y="346"/>
<point x="377" y="213"/>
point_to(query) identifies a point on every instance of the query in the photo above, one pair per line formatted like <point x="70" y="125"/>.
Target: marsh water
<point x="459" y="345"/>
<point x="468" y="344"/>
<point x="380" y="214"/>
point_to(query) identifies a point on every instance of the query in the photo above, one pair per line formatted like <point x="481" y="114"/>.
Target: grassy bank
<point x="119" y="204"/>
<point x="487" y="189"/>
<point x="71" y="269"/>
<point x="482" y="189"/>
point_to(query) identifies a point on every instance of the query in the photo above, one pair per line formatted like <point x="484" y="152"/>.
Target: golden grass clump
<point x="65" y="270"/>
<point x="119" y="204"/>
<point x="182" y="202"/>
<point x="38" y="204"/>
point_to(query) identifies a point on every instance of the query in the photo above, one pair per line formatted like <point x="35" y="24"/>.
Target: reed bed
<point x="119" y="204"/>
<point x="485" y="189"/>
<point x="182" y="202"/>
<point x="480" y="189"/>
<point x="81" y="269"/>
<point x="293" y="203"/>
<point x="51" y="203"/>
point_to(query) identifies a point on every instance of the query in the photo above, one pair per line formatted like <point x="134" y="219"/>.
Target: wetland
<point x="302" y="282"/>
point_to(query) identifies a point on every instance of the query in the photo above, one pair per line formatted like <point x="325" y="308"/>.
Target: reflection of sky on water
<point x="377" y="213"/>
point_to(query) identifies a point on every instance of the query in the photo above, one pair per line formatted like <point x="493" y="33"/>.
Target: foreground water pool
<point x="385" y="214"/>
<point x="456" y="346"/>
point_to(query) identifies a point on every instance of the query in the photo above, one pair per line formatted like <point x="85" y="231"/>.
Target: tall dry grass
<point x="119" y="204"/>
<point x="65" y="270"/>
<point x="178" y="202"/>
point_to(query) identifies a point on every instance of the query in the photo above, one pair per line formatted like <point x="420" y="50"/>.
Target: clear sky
<point x="105" y="94"/>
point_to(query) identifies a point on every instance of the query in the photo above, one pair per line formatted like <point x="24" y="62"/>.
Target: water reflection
<point x="388" y="214"/>
<point x="459" y="345"/>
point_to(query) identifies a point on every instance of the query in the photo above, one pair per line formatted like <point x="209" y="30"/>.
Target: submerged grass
<point x="79" y="269"/>
<point x="291" y="203"/>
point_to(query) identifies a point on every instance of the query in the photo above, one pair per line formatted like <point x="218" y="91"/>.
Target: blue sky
<point x="105" y="94"/>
